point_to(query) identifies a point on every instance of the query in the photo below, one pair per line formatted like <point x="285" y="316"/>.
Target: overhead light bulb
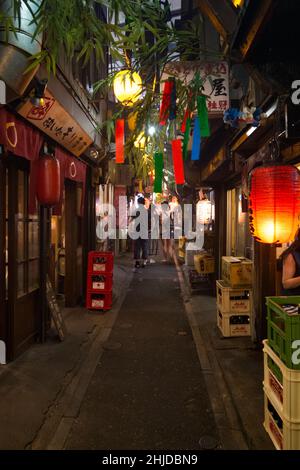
<point x="251" y="130"/>
<point x="151" y="131"/>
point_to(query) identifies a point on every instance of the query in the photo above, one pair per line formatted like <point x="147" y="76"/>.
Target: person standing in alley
<point x="166" y="237"/>
<point x="291" y="268"/>
<point x="138" y="230"/>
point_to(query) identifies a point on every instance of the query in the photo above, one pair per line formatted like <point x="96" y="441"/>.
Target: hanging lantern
<point x="48" y="180"/>
<point x="204" y="212"/>
<point x="274" y="203"/>
<point x="127" y="87"/>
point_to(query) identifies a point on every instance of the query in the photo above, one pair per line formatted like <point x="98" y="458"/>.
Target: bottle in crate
<point x="99" y="280"/>
<point x="96" y="301"/>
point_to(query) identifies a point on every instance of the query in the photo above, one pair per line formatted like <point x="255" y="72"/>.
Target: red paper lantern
<point x="274" y="203"/>
<point x="48" y="180"/>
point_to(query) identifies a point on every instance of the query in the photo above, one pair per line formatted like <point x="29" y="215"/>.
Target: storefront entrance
<point x="19" y="269"/>
<point x="66" y="247"/>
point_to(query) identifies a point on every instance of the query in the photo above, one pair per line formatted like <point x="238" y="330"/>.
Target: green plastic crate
<point x="283" y="329"/>
<point x="275" y="369"/>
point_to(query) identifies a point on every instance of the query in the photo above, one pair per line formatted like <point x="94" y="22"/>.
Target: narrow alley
<point x="148" y="391"/>
<point x="149" y="230"/>
<point x="153" y="377"/>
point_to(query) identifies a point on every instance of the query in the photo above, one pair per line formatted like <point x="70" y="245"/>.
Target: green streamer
<point x="158" y="166"/>
<point x="186" y="138"/>
<point x="203" y="116"/>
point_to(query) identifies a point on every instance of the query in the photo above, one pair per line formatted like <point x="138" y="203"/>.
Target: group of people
<point x="141" y="243"/>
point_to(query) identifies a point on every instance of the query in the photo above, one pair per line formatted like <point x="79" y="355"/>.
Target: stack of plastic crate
<point x="282" y="373"/>
<point x="234" y="297"/>
<point x="99" y="280"/>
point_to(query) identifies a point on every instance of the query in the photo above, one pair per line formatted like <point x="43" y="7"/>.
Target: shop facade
<point x="34" y="242"/>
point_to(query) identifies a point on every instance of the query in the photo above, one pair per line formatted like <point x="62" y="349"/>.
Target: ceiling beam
<point x="208" y="11"/>
<point x="263" y="8"/>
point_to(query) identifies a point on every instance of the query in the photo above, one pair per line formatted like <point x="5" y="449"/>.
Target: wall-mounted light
<point x="151" y="131"/>
<point x="238" y="3"/>
<point x="94" y="154"/>
<point x="251" y="130"/>
<point x="37" y="98"/>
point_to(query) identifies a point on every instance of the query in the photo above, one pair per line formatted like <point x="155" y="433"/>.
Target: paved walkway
<point x="152" y="373"/>
<point x="148" y="391"/>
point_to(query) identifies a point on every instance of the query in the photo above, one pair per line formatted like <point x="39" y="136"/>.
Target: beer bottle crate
<point x="102" y="262"/>
<point x="99" y="282"/>
<point x="283" y="328"/>
<point x="284" y="434"/>
<point x="282" y="385"/>
<point x="233" y="324"/>
<point x="233" y="300"/>
<point x="97" y="301"/>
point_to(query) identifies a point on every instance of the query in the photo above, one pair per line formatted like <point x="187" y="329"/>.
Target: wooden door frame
<point x="14" y="348"/>
<point x="3" y="311"/>
<point x="71" y="228"/>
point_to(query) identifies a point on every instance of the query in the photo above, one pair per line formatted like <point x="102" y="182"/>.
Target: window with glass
<point x="27" y="241"/>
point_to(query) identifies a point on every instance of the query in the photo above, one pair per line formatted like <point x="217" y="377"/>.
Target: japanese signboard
<point x="215" y="82"/>
<point x="52" y="119"/>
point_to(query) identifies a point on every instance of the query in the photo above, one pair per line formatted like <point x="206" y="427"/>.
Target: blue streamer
<point x="196" y="147"/>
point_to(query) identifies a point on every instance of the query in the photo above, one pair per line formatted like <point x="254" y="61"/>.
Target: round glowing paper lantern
<point x="274" y="203"/>
<point x="127" y="87"/>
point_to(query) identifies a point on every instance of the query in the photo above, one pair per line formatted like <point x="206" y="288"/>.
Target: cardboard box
<point x="181" y="243"/>
<point x="237" y="271"/>
<point x="204" y="263"/>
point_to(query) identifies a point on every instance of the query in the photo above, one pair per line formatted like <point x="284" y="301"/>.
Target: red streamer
<point x="187" y="114"/>
<point x="120" y="140"/>
<point x="166" y="102"/>
<point x="178" y="161"/>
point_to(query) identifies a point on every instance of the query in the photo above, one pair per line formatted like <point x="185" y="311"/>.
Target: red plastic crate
<point x="100" y="262"/>
<point x="99" y="301"/>
<point x="99" y="282"/>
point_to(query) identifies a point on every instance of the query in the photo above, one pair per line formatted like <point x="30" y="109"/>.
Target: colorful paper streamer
<point x="178" y="161"/>
<point x="166" y="101"/>
<point x="203" y="116"/>
<point x="120" y="134"/>
<point x="185" y="118"/>
<point x="196" y="147"/>
<point x="173" y="107"/>
<point x="186" y="137"/>
<point x="158" y="166"/>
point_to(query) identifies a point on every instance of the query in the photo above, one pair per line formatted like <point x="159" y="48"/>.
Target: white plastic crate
<point x="233" y="300"/>
<point x="285" y="390"/>
<point x="284" y="434"/>
<point x="230" y="325"/>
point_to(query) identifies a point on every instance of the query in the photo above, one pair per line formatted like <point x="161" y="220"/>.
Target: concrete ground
<point x="153" y="373"/>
